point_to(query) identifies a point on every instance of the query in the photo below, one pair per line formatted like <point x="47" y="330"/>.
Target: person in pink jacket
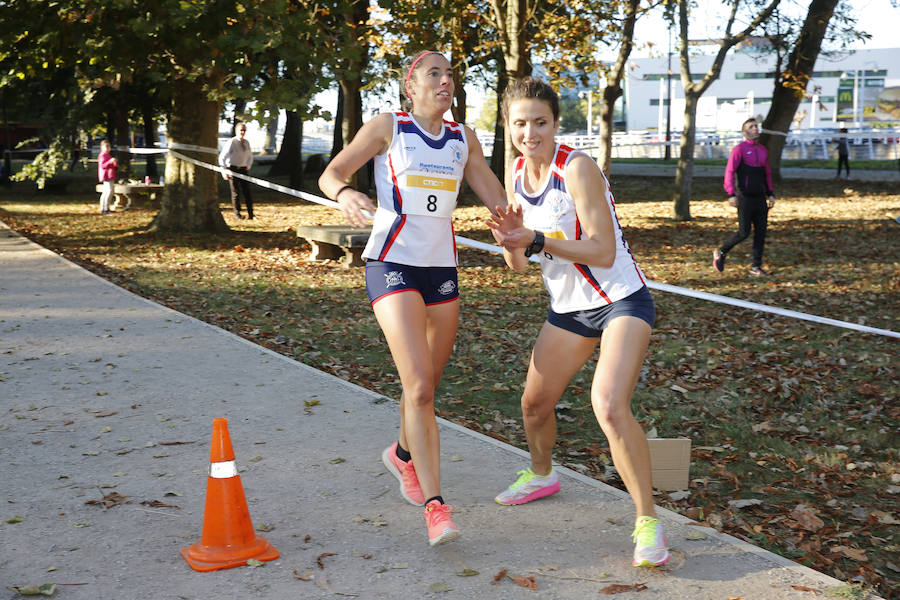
<point x="753" y="196"/>
<point x="107" y="169"/>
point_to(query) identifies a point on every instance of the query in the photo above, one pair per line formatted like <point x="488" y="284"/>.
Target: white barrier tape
<point x="773" y="132"/>
<point x="145" y="150"/>
<point x="664" y="287"/>
<point x="674" y="289"/>
<point x="260" y="182"/>
<point x="193" y="148"/>
<point x="222" y="470"/>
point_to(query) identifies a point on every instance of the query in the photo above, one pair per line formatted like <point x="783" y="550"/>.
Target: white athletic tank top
<point x="418" y="181"/>
<point x="574" y="286"/>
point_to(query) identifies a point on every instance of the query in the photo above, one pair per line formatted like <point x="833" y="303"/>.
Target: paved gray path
<point x="97" y="385"/>
<point x="623" y="167"/>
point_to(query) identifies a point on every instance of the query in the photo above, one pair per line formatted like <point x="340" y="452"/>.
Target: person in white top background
<point x="411" y="260"/>
<point x="561" y="209"/>
<point x="237" y="156"/>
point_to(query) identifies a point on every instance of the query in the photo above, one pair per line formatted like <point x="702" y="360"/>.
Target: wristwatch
<point x="536" y="245"/>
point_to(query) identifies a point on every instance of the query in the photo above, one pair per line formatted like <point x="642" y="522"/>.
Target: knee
<point x="611" y="415"/>
<point x="419" y="394"/>
<point x="536" y="408"/>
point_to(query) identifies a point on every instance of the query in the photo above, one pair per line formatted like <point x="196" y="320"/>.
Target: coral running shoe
<point x="440" y="527"/>
<point x="405" y="473"/>
<point x="650" y="543"/>
<point x="529" y="487"/>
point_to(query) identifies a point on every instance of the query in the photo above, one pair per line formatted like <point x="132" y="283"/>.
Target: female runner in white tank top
<point x="561" y="209"/>
<point x="420" y="162"/>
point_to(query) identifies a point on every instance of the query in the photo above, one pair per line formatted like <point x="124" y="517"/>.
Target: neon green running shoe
<point x="650" y="543"/>
<point x="529" y="487"/>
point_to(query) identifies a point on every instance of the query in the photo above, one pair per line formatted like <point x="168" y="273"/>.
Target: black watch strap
<point x="537" y="245"/>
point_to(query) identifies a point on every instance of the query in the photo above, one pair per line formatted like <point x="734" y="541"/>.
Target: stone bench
<point x="336" y="242"/>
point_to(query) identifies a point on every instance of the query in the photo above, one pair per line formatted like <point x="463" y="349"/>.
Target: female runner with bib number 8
<point x="411" y="278"/>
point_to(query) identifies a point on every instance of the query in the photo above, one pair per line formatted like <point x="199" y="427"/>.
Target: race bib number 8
<point x="429" y="195"/>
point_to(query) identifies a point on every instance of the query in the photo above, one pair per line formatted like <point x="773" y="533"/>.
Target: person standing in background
<point x="753" y="197"/>
<point x="237" y="157"/>
<point x="843" y="153"/>
<point x="107" y="171"/>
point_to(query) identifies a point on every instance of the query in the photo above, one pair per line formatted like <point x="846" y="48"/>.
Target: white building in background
<point x="860" y="89"/>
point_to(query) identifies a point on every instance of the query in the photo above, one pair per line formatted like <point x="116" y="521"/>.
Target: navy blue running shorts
<point x="592" y="322"/>
<point x="435" y="284"/>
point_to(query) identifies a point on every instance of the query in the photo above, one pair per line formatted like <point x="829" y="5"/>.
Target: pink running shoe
<point x="405" y="473"/>
<point x="440" y="527"/>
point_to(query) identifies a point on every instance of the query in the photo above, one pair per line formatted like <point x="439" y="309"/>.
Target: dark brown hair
<point x="530" y="88"/>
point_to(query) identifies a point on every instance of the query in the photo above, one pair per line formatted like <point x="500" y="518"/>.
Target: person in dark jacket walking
<point x="843" y="151"/>
<point x="753" y="196"/>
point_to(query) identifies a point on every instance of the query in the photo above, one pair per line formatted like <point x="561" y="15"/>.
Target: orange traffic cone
<point x="228" y="538"/>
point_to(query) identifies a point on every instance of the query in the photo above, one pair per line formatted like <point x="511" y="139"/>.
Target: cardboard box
<point x="670" y="461"/>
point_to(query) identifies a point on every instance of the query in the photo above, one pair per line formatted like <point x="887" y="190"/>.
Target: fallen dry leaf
<point x="618" y="588"/>
<point x="304" y="576"/>
<point x="804" y="588"/>
<point x="526" y="582"/>
<point x="110" y="500"/>
<point x="321" y="556"/>
<point x="158" y="504"/>
<point x="854" y="553"/>
<point x="499" y="577"/>
<point x="806" y="518"/>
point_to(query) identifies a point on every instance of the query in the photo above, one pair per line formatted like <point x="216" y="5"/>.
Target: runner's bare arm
<point x="373" y="138"/>
<point x="479" y="176"/>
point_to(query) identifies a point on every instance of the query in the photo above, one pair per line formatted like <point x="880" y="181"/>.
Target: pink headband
<point x="415" y="62"/>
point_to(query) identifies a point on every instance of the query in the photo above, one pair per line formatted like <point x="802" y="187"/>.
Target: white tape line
<point x="664" y="287"/>
<point x="773" y="132"/>
<point x="193" y="148"/>
<point x="146" y="150"/>
<point x="674" y="289"/>
<point x="260" y="182"/>
<point x="222" y="470"/>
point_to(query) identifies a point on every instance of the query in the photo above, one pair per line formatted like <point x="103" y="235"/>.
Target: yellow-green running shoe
<point x="529" y="487"/>
<point x="650" y="543"/>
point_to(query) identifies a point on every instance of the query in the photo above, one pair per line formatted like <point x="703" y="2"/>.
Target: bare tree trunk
<point x="350" y="124"/>
<point x="498" y="154"/>
<point x="684" y="174"/>
<point x="289" y="160"/>
<point x="790" y="84"/>
<point x="150" y="139"/>
<point x="337" y="137"/>
<point x="613" y="89"/>
<point x="693" y="90"/>
<point x="510" y="20"/>
<point x="123" y="137"/>
<point x="459" y="103"/>
<point x="271" y="131"/>
<point x="239" y="105"/>
<point x="190" y="200"/>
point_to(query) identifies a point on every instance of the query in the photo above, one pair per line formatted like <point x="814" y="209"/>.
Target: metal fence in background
<point x="863" y="145"/>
